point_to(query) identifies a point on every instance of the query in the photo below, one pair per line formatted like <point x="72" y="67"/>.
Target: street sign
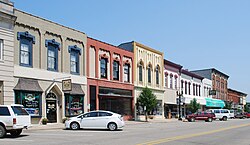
<point x="212" y="92"/>
<point x="66" y="85"/>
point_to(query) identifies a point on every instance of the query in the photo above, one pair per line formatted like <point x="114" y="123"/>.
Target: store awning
<point x="76" y="90"/>
<point x="201" y="100"/>
<point x="210" y="102"/>
<point x="25" y="84"/>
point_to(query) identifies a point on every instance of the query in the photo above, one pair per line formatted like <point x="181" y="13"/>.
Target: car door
<point x="198" y="116"/>
<point x="103" y="119"/>
<point x="88" y="120"/>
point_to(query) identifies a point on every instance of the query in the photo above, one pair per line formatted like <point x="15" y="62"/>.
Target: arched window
<point x="157" y="74"/>
<point x="149" y="73"/>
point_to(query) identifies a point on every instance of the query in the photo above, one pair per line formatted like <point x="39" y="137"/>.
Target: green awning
<point x="210" y="102"/>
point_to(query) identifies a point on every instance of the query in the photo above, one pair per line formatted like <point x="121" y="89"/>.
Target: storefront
<point x="116" y="100"/>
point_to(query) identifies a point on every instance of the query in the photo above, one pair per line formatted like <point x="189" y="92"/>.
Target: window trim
<point x="56" y="48"/>
<point x="29" y="44"/>
<point x="75" y="50"/>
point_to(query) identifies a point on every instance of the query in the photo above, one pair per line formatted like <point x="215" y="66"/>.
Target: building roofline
<point x="229" y="89"/>
<point x="108" y="44"/>
<point x="49" y="21"/>
<point x="148" y="48"/>
<point x="167" y="62"/>
<point x="191" y="74"/>
<point x="213" y="69"/>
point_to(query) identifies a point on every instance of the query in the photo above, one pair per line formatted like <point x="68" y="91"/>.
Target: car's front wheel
<point x="112" y="126"/>
<point x="2" y="131"/>
<point x="74" y="126"/>
<point x="15" y="133"/>
<point x="224" y="118"/>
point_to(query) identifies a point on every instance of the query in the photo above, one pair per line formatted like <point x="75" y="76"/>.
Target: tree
<point x="228" y="105"/>
<point x="194" y="106"/>
<point x="147" y="100"/>
<point x="246" y="108"/>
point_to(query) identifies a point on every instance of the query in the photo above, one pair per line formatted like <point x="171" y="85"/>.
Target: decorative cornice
<point x="74" y="47"/>
<point x="52" y="42"/>
<point x="26" y="35"/>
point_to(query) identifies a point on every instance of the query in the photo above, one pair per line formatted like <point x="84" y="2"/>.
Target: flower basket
<point x="44" y="121"/>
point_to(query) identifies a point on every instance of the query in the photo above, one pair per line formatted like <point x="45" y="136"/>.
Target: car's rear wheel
<point x="112" y="126"/>
<point x="209" y="119"/>
<point x="15" y="133"/>
<point x="74" y="126"/>
<point x="192" y="119"/>
<point x="224" y="118"/>
<point x="2" y="131"/>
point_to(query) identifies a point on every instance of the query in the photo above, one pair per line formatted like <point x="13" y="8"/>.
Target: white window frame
<point x="1" y="49"/>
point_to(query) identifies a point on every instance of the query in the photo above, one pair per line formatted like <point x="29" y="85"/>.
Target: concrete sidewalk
<point x="53" y="126"/>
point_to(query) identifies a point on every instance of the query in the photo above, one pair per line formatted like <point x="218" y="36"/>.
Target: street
<point x="231" y="132"/>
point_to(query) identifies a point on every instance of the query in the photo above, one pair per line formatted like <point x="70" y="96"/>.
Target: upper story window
<point x="53" y="48"/>
<point x="189" y="88"/>
<point x="126" y="75"/>
<point x="166" y="80"/>
<point x="149" y="73"/>
<point x="157" y="74"/>
<point x="194" y="89"/>
<point x="1" y="49"/>
<point x="26" y="47"/>
<point x="75" y="53"/>
<point x="140" y="73"/>
<point x="116" y="70"/>
<point x="175" y="82"/>
<point x="171" y="81"/>
<point x="104" y="68"/>
<point x="185" y="87"/>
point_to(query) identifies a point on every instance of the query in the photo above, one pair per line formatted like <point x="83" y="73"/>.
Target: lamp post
<point x="179" y="94"/>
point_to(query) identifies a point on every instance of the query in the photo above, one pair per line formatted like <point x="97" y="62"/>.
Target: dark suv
<point x="207" y="116"/>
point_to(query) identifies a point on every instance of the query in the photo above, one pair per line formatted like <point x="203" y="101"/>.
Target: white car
<point x="221" y="114"/>
<point x="231" y="114"/>
<point x="96" y="120"/>
<point x="13" y="119"/>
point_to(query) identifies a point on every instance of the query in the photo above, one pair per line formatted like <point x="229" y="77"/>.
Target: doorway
<point x="51" y="108"/>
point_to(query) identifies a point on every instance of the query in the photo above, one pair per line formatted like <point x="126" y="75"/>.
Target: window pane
<point x="19" y="110"/>
<point x="140" y="73"/>
<point x="4" y="111"/>
<point x="126" y="73"/>
<point x="25" y="54"/>
<point x="116" y="70"/>
<point x="1" y="49"/>
<point x="104" y="68"/>
<point x="149" y="75"/>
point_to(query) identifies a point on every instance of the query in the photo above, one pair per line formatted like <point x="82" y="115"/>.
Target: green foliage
<point x="194" y="106"/>
<point x="247" y="108"/>
<point x="228" y="105"/>
<point x="147" y="99"/>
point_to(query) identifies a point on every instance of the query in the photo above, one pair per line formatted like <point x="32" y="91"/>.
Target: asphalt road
<point x="232" y="132"/>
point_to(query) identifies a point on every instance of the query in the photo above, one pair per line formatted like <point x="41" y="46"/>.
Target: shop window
<point x="74" y="105"/>
<point x="26" y="48"/>
<point x="104" y="69"/>
<point x="116" y="70"/>
<point x="31" y="102"/>
<point x="1" y="49"/>
<point x="126" y="74"/>
<point x="140" y="73"/>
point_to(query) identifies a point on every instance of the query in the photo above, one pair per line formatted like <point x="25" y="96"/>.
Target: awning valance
<point x="25" y="84"/>
<point x="201" y="100"/>
<point x="76" y="90"/>
<point x="210" y="102"/>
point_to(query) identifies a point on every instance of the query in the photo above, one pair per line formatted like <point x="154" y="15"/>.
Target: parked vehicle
<point x="207" y="116"/>
<point x="96" y="120"/>
<point x="221" y="114"/>
<point x="248" y="115"/>
<point x="241" y="115"/>
<point x="13" y="119"/>
<point x="231" y="114"/>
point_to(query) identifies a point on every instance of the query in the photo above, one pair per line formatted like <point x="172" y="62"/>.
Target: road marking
<point x="164" y="140"/>
<point x="15" y="140"/>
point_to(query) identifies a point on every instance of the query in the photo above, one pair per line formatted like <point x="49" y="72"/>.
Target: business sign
<point x="66" y="85"/>
<point x="212" y="92"/>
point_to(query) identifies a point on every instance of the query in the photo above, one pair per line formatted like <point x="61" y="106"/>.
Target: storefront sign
<point x="66" y="85"/>
<point x="212" y="92"/>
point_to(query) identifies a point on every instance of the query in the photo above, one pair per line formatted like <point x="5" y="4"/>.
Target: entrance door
<point x="51" y="108"/>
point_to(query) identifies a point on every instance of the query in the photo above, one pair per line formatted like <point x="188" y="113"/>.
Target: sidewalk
<point x="53" y="126"/>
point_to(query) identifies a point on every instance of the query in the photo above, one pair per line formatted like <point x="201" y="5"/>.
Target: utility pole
<point x="179" y="94"/>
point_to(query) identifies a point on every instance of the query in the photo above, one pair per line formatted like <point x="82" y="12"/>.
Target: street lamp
<point x="179" y="94"/>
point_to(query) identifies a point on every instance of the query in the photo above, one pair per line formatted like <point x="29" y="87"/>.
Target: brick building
<point x="237" y="98"/>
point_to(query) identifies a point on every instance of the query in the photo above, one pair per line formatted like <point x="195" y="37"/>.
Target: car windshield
<point x="18" y="110"/>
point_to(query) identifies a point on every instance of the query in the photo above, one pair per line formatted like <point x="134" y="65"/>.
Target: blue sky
<point x="196" y="34"/>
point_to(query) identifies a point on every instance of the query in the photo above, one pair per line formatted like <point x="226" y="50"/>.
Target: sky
<point x="196" y="34"/>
